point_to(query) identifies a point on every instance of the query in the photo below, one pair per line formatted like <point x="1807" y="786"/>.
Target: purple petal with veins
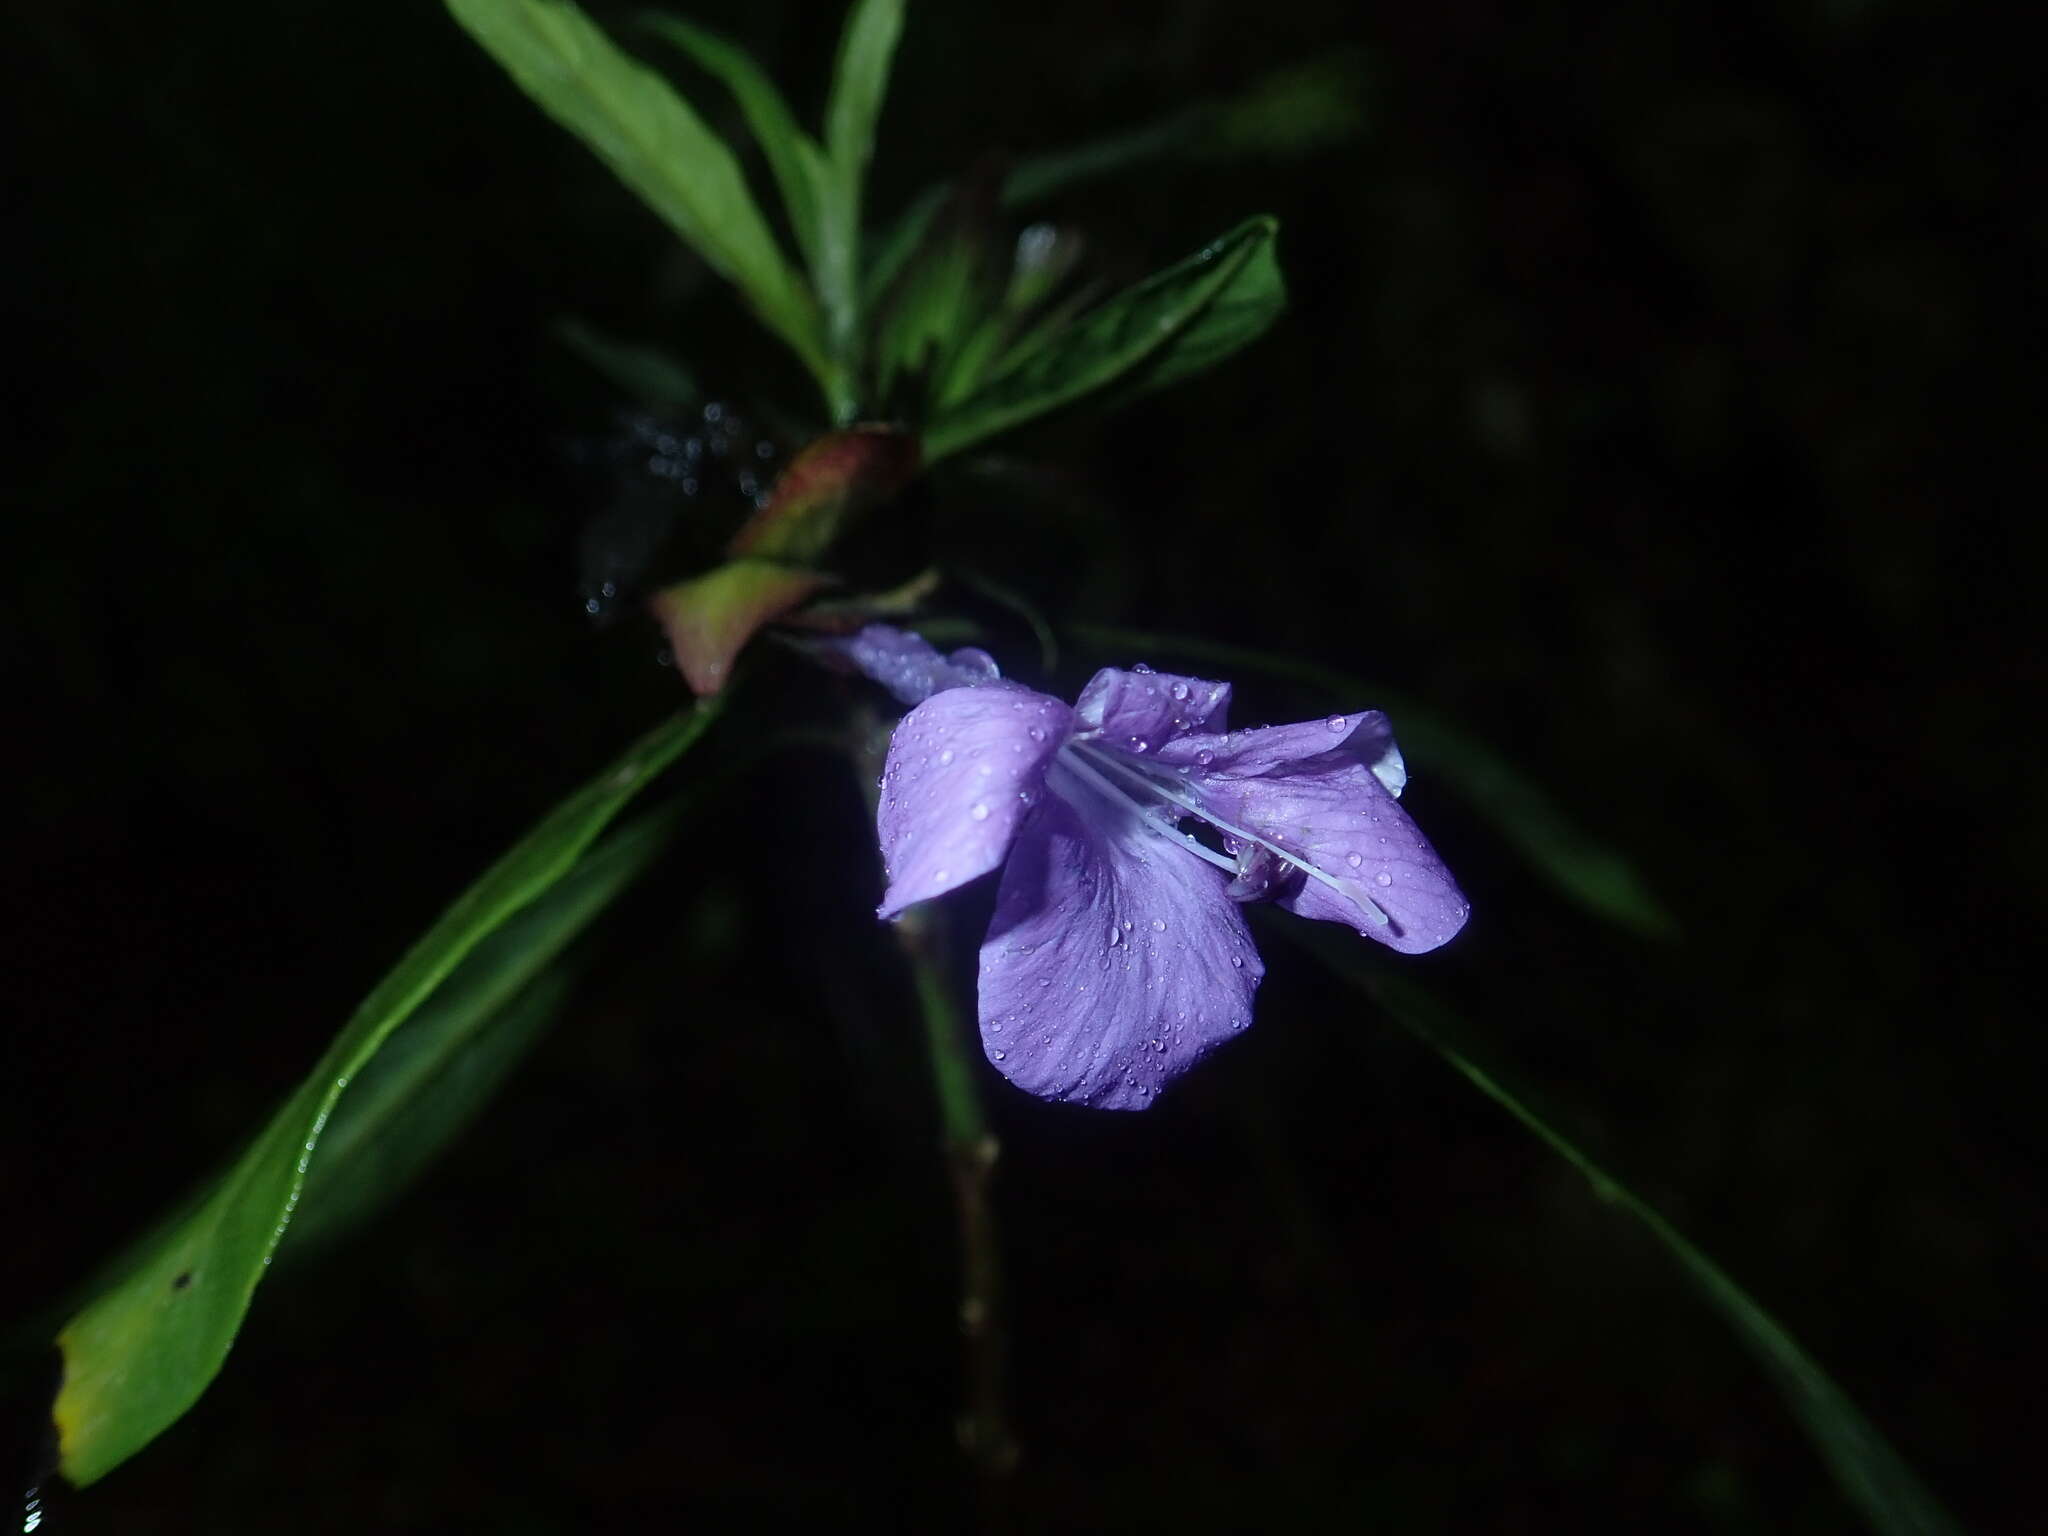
<point x="1114" y="961"/>
<point x="908" y="665"/>
<point x="1320" y="797"/>
<point x="964" y="768"/>
<point x="1141" y="710"/>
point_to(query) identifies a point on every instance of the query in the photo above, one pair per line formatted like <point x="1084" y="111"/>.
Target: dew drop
<point x="1336" y="722"/>
<point x="1158" y="926"/>
<point x="1179" y="690"/>
<point x="1116" y="935"/>
<point x="1354" y="860"/>
<point x="1384" y="878"/>
<point x="1142" y="670"/>
<point x="1205" y="757"/>
<point x="998" y="1055"/>
<point x="946" y="756"/>
<point x="1139" y="744"/>
<point x="979" y="811"/>
<point x="1237" y="962"/>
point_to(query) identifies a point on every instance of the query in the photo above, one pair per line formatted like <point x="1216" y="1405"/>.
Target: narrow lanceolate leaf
<point x="643" y="373"/>
<point x="1874" y="1477"/>
<point x="144" y="1348"/>
<point x="1592" y="873"/>
<point x="1166" y="327"/>
<point x="657" y="145"/>
<point x="860" y="81"/>
<point x="432" y="1076"/>
<point x="796" y="159"/>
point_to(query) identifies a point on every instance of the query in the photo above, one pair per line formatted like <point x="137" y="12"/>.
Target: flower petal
<point x="963" y="768"/>
<point x="1323" y="794"/>
<point x="1140" y="711"/>
<point x="1114" y="961"/>
<point x="1367" y="736"/>
<point x="907" y="665"/>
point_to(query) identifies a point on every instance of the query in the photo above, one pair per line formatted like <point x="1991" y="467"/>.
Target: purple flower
<point x="1130" y="829"/>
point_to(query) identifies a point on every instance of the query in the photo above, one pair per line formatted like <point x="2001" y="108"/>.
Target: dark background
<point x="1653" y="403"/>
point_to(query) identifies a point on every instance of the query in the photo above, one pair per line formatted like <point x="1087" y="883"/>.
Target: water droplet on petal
<point x="946" y="756"/>
<point x="1142" y="670"/>
<point x="1384" y="878"/>
<point x="1337" y="722"/>
<point x="998" y="1055"/>
<point x="1179" y="690"/>
<point x="979" y="811"/>
<point x="1138" y="744"/>
<point x="1205" y="757"/>
<point x="1353" y="860"/>
<point x="1158" y="926"/>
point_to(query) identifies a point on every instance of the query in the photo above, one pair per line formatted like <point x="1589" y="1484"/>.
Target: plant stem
<point x="970" y="1150"/>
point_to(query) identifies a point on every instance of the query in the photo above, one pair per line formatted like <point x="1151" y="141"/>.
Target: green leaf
<point x="1174" y="322"/>
<point x="860" y="81"/>
<point x="796" y="159"/>
<point x="1873" y="1475"/>
<point x="1297" y="110"/>
<point x="143" y="1349"/>
<point x="950" y="288"/>
<point x="657" y="146"/>
<point x="433" y="1075"/>
<point x="1592" y="873"/>
<point x="648" y="374"/>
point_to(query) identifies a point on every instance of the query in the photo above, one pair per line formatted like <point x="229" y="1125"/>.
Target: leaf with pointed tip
<point x="142" y="1349"/>
<point x="657" y="145"/>
<point x="710" y="618"/>
<point x="648" y="374"/>
<point x="1873" y="1476"/>
<point x="860" y="81"/>
<point x="796" y="159"/>
<point x="1174" y="322"/>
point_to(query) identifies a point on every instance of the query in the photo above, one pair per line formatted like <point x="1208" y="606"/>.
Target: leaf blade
<point x="1159" y="330"/>
<point x="432" y="1075"/>
<point x="794" y="158"/>
<point x="139" y="1353"/>
<point x="860" y="83"/>
<point x="656" y="144"/>
<point x="1870" y="1473"/>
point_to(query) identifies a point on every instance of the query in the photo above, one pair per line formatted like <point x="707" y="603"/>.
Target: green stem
<point x="970" y="1150"/>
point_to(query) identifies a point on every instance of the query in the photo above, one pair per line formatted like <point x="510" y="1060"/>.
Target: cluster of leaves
<point x="923" y="324"/>
<point x="925" y="340"/>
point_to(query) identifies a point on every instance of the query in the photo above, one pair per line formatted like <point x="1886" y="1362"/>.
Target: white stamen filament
<point x="1096" y="762"/>
<point x="1082" y="769"/>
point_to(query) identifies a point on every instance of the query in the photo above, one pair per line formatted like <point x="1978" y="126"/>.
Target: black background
<point x="1655" y="402"/>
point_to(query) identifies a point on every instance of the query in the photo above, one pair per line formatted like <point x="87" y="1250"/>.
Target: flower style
<point x="1130" y="830"/>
